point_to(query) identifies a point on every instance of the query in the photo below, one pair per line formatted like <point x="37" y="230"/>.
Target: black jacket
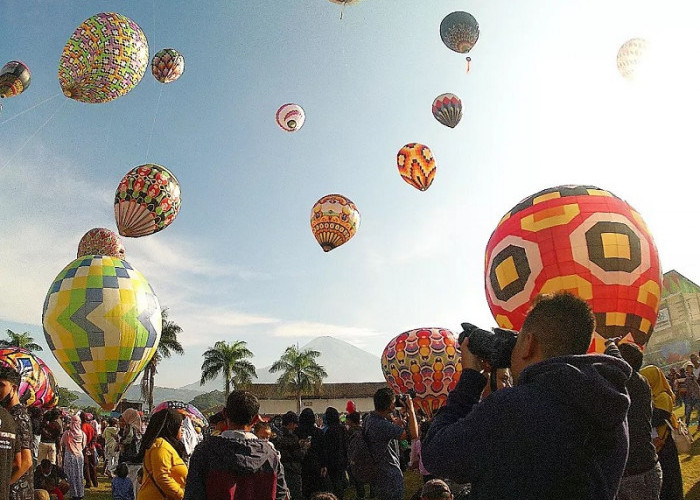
<point x="560" y="433"/>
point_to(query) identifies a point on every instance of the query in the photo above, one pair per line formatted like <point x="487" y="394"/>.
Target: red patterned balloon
<point x="582" y="239"/>
<point x="416" y="165"/>
<point x="38" y="385"/>
<point x="425" y="360"/>
<point x="101" y="241"/>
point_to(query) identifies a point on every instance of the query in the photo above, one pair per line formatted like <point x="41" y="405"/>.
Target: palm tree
<point x="168" y="344"/>
<point x="230" y="361"/>
<point x="23" y="340"/>
<point x="300" y="372"/>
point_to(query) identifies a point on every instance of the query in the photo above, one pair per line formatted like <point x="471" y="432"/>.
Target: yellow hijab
<point x="661" y="395"/>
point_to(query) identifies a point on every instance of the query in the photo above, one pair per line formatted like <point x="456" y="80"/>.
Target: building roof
<point x="327" y="391"/>
<point x="674" y="282"/>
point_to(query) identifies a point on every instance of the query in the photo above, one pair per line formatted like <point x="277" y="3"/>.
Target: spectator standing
<point x="384" y="430"/>
<point x="50" y="437"/>
<point x="313" y="468"/>
<point x="122" y="487"/>
<point x="89" y="455"/>
<point x="74" y="442"/>
<point x="37" y="416"/>
<point x="336" y="445"/>
<point x="22" y="480"/>
<point x="691" y="397"/>
<point x="129" y="436"/>
<point x="354" y="422"/>
<point x="111" y="436"/>
<point x="236" y="465"/>
<point x="291" y="454"/>
<point x="10" y="451"/>
<point x="662" y="415"/>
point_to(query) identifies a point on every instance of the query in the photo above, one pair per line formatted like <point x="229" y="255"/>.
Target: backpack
<point x="363" y="465"/>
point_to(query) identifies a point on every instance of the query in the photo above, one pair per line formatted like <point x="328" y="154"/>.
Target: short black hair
<point x="353" y="417"/>
<point x="632" y="354"/>
<point x="122" y="470"/>
<point x="562" y="323"/>
<point x="383" y="399"/>
<point x="241" y="407"/>
<point x="10" y="374"/>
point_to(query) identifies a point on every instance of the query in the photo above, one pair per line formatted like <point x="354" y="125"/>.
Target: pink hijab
<point x="74" y="438"/>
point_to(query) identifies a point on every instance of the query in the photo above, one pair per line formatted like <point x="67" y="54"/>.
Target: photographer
<point x="560" y="432"/>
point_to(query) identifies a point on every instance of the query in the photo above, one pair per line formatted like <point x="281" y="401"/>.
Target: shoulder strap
<point x="154" y="481"/>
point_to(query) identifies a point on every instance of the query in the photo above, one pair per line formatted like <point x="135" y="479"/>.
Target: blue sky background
<point x="543" y="105"/>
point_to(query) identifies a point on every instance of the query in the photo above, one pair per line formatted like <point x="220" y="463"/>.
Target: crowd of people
<point x="557" y="424"/>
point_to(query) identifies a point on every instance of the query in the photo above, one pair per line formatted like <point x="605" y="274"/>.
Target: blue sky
<point x="543" y="105"/>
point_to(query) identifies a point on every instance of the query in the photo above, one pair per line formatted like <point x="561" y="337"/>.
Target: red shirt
<point x="89" y="434"/>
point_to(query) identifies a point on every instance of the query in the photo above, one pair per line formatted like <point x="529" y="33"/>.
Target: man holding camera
<point x="559" y="433"/>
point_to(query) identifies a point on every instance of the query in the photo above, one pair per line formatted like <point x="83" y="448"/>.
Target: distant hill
<point x="342" y="361"/>
<point x="160" y="394"/>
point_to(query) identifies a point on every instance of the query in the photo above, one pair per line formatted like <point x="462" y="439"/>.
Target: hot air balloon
<point x="334" y="220"/>
<point x="632" y="57"/>
<point x="425" y="360"/>
<point x="101" y="241"/>
<point x="186" y="409"/>
<point x="104" y="58"/>
<point x="38" y="385"/>
<point x="167" y="65"/>
<point x="102" y="321"/>
<point x="582" y="239"/>
<point x="147" y="200"/>
<point x="15" y="77"/>
<point x="460" y="32"/>
<point x="416" y="165"/>
<point x="290" y="117"/>
<point x="447" y="109"/>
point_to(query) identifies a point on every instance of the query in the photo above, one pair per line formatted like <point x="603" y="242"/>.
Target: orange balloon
<point x="416" y="165"/>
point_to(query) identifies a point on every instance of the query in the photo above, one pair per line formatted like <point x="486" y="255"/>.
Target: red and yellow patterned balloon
<point x="334" y="220"/>
<point x="416" y="165"/>
<point x="426" y="360"/>
<point x="101" y="241"/>
<point x="582" y="239"/>
<point x="38" y="385"/>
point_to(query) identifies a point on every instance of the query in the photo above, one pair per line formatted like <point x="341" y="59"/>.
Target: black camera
<point x="400" y="399"/>
<point x="495" y="347"/>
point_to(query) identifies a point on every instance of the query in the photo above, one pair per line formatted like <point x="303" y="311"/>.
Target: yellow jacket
<point x="167" y="469"/>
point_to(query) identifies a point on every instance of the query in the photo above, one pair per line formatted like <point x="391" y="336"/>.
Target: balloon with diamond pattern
<point x="102" y="321"/>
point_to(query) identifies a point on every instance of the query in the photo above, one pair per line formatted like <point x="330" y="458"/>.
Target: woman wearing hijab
<point x="313" y="468"/>
<point x="74" y="442"/>
<point x="164" y="471"/>
<point x="663" y="400"/>
<point x="129" y="435"/>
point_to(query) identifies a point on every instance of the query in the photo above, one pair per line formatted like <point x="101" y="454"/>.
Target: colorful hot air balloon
<point x="147" y="200"/>
<point x="334" y="220"/>
<point x="290" y="117"/>
<point x="38" y="385"/>
<point x="104" y="58"/>
<point x="582" y="239"/>
<point x="459" y="31"/>
<point x="344" y="2"/>
<point x="102" y="321"/>
<point x="632" y="57"/>
<point x="447" y="109"/>
<point x="416" y="165"/>
<point x="425" y="360"/>
<point x="167" y="65"/>
<point x="186" y="409"/>
<point x="101" y="241"/>
<point x="15" y="77"/>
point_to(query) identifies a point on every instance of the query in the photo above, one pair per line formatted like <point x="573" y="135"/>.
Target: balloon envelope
<point x="147" y="200"/>
<point x="102" y="321"/>
<point x="334" y="220"/>
<point x="459" y="31"/>
<point x="15" y="77"/>
<point x="632" y="57"/>
<point x="582" y="239"/>
<point x="425" y="360"/>
<point x="186" y="409"/>
<point x="101" y="241"/>
<point x="416" y="165"/>
<point x="447" y="109"/>
<point x="38" y="385"/>
<point x="290" y="117"/>
<point x="167" y="65"/>
<point x="104" y="58"/>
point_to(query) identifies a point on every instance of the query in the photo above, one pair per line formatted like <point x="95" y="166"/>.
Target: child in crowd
<point x="122" y="487"/>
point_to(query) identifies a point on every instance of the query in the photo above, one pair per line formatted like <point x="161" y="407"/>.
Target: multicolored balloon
<point x="102" y="321"/>
<point x="344" y="2"/>
<point x="447" y="109"/>
<point x="167" y="65"/>
<point x="104" y="58"/>
<point x="186" y="409"/>
<point x="425" y="360"/>
<point x="290" y="117"/>
<point x="416" y="165"/>
<point x="147" y="200"/>
<point x="582" y="239"/>
<point x="459" y="31"/>
<point x="334" y="220"/>
<point x="38" y="385"/>
<point x="632" y="56"/>
<point x="101" y="241"/>
<point x="15" y="77"/>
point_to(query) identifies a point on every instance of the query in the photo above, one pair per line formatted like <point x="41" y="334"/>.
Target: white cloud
<point x="310" y="329"/>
